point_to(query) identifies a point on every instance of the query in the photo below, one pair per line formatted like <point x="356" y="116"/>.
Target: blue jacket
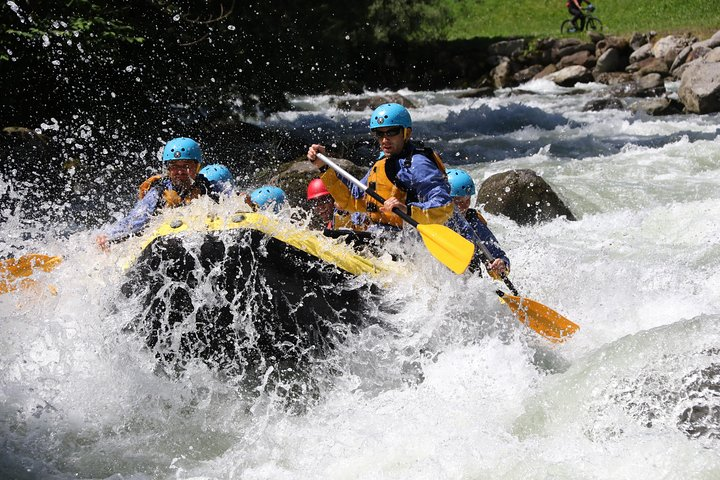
<point x="155" y="198"/>
<point x="137" y="218"/>
<point x="473" y="227"/>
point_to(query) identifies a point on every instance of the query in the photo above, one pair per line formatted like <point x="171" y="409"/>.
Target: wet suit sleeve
<point x="475" y="230"/>
<point x="434" y="204"/>
<point x="488" y="239"/>
<point x="136" y="220"/>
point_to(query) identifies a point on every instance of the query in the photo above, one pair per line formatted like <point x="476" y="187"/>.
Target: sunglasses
<point x="390" y="132"/>
<point x="180" y="166"/>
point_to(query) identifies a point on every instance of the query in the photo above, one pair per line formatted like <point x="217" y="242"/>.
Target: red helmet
<point x="316" y="188"/>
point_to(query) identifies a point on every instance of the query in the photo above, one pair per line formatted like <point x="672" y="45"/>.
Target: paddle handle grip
<point x="364" y="188"/>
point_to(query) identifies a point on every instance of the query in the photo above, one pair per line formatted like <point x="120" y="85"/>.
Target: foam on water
<point x="448" y="384"/>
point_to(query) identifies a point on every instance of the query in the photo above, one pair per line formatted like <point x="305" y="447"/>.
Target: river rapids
<point x="444" y="383"/>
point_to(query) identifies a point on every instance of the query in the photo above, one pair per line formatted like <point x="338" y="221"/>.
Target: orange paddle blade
<point x="14" y="269"/>
<point x="544" y="320"/>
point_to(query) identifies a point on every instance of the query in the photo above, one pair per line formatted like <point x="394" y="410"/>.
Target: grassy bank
<point x="504" y="18"/>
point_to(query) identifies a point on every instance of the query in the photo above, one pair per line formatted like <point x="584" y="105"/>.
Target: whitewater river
<point x="450" y="385"/>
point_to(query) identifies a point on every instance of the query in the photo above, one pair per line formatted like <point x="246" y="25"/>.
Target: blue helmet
<point x="182" y="148"/>
<point x="219" y="176"/>
<point x="390" y="115"/>
<point x="461" y="184"/>
<point x="267" y="196"/>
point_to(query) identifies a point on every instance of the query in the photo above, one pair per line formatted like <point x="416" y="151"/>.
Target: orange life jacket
<point x="171" y="198"/>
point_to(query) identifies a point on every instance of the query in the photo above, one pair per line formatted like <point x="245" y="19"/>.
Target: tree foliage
<point x="145" y="58"/>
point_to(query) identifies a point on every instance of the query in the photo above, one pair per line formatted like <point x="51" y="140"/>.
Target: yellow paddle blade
<point x="13" y="269"/>
<point x="453" y="250"/>
<point x="544" y="320"/>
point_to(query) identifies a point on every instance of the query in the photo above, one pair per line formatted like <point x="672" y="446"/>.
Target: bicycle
<point x="591" y="22"/>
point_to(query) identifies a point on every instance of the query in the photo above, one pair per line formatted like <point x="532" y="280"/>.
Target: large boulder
<point x="657" y="107"/>
<point x="668" y="48"/>
<point x="522" y="196"/>
<point x="508" y="48"/>
<point x="713" y="56"/>
<point x="569" y="76"/>
<point x="608" y="103"/>
<point x="502" y="75"/>
<point x="700" y="87"/>
<point x="527" y="74"/>
<point x="583" y="57"/>
<point x="618" y="43"/>
<point x="641" y="53"/>
<point x="711" y="42"/>
<point x="293" y="177"/>
<point x="611" y="60"/>
<point x="649" y="65"/>
<point x="651" y="85"/>
<point x="612" y="78"/>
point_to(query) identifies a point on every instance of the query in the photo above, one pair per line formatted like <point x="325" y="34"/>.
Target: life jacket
<point x="171" y="198"/>
<point x="382" y="179"/>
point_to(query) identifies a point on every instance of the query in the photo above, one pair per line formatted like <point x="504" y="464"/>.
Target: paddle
<point x="13" y="271"/>
<point x="544" y="320"/>
<point x="456" y="252"/>
<point x="452" y="249"/>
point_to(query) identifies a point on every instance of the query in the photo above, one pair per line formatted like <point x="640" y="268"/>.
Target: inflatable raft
<point x="247" y="292"/>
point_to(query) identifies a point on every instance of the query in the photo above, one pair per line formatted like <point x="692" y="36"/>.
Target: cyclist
<point x="575" y="9"/>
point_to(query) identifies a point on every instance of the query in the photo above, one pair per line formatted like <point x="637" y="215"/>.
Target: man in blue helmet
<point x="180" y="185"/>
<point x="410" y="178"/>
<point x="471" y="224"/>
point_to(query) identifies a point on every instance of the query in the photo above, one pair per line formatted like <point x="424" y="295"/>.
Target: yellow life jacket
<point x="384" y="185"/>
<point x="170" y="197"/>
<point x="379" y="181"/>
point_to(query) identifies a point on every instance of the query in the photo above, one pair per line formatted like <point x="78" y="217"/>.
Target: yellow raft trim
<point x="308" y="241"/>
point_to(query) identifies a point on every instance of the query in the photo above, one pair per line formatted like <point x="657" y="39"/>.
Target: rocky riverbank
<point x="634" y="67"/>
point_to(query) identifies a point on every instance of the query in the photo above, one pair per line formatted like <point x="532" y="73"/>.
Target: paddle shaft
<point x="488" y="257"/>
<point x="364" y="188"/>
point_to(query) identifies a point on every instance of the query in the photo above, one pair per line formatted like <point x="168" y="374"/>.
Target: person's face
<point x="182" y="173"/>
<point x="463" y="203"/>
<point x="323" y="207"/>
<point x="391" y="139"/>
